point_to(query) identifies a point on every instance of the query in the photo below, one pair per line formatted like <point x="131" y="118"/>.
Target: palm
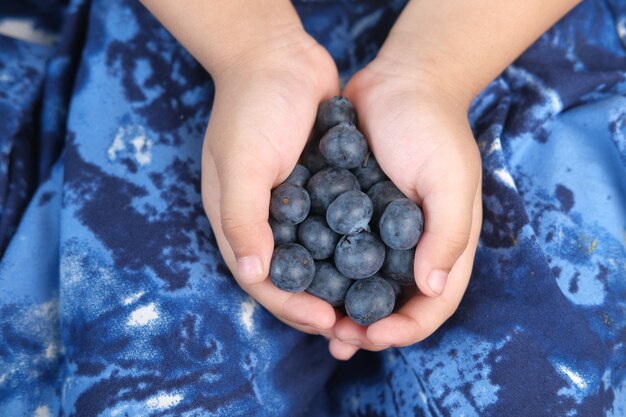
<point x="276" y="106"/>
<point x="415" y="136"/>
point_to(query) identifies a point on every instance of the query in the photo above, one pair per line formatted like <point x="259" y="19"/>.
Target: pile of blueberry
<point x="342" y="231"/>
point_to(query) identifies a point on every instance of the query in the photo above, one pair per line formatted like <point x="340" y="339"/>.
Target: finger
<point x="340" y="350"/>
<point x="329" y="334"/>
<point x="421" y="315"/>
<point x="447" y="209"/>
<point x="245" y="187"/>
<point x="354" y="334"/>
<point x="301" y="308"/>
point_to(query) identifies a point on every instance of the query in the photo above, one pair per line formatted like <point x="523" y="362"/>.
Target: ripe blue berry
<point x="397" y="289"/>
<point x="369" y="300"/>
<point x="319" y="239"/>
<point x="328" y="284"/>
<point x="334" y="111"/>
<point x="343" y="146"/>
<point x="350" y="212"/>
<point x="398" y="266"/>
<point x="312" y="158"/>
<point x="283" y="232"/>
<point x="299" y="176"/>
<point x="369" y="172"/>
<point x="360" y="255"/>
<point x="292" y="268"/>
<point x="401" y="224"/>
<point x="328" y="184"/>
<point x="382" y="194"/>
<point x="289" y="203"/>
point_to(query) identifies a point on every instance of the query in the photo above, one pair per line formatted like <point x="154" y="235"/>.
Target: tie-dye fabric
<point x="114" y="300"/>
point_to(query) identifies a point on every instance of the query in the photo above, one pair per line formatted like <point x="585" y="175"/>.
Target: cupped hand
<point x="263" y="113"/>
<point x="421" y="137"/>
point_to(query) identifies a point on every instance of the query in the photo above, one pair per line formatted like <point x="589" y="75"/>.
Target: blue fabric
<point x="114" y="299"/>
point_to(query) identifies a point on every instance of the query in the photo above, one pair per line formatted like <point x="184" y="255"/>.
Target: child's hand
<point x="264" y="109"/>
<point x="270" y="77"/>
<point x="412" y="103"/>
<point x="422" y="140"/>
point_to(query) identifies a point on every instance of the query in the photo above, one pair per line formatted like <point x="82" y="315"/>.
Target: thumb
<point x="448" y="222"/>
<point x="245" y="190"/>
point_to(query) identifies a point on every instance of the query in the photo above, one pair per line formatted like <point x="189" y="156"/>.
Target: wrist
<point x="286" y="45"/>
<point x="220" y="34"/>
<point x="260" y="42"/>
<point x="429" y="66"/>
<point x="465" y="45"/>
<point x="291" y="62"/>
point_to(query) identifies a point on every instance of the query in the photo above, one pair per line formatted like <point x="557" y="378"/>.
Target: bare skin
<point x="412" y="101"/>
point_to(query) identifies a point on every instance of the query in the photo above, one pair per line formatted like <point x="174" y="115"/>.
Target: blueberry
<point x="360" y="255"/>
<point x="328" y="184"/>
<point x="369" y="173"/>
<point x="369" y="300"/>
<point x="299" y="176"/>
<point x="350" y="212"/>
<point x="289" y="203"/>
<point x="382" y="194"/>
<point x="401" y="224"/>
<point x="283" y="232"/>
<point x="398" y="265"/>
<point x="395" y="285"/>
<point x="328" y="284"/>
<point x="312" y="158"/>
<point x="334" y="111"/>
<point x="292" y="268"/>
<point x="343" y="146"/>
<point x="319" y="239"/>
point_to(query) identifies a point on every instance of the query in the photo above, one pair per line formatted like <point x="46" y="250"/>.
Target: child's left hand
<point x="421" y="137"/>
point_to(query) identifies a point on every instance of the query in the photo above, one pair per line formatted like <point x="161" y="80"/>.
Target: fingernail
<point x="249" y="268"/>
<point x="437" y="281"/>
<point x="353" y="342"/>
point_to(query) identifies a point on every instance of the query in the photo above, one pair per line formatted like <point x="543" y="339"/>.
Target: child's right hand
<point x="270" y="77"/>
<point x="265" y="106"/>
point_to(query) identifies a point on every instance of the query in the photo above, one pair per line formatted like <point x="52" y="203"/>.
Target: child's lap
<point x="128" y="280"/>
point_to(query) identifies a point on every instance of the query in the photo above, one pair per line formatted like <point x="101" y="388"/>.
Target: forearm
<point x="466" y="44"/>
<point x="220" y="33"/>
